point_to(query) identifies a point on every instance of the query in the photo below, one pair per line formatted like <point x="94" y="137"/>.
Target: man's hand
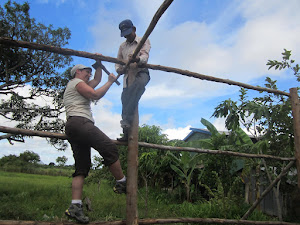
<point x="121" y="70"/>
<point x="136" y="59"/>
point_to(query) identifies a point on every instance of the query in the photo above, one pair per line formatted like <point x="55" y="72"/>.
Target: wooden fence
<point x="131" y="204"/>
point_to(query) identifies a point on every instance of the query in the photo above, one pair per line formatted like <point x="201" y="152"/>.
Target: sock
<point x="76" y="201"/>
<point x="122" y="180"/>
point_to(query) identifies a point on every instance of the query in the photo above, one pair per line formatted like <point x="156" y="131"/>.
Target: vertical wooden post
<point x="296" y="120"/>
<point x="132" y="166"/>
<point x="132" y="172"/>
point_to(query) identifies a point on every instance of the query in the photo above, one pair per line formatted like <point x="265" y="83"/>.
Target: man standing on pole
<point x="135" y="78"/>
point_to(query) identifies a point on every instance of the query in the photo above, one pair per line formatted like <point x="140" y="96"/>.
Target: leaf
<point x="210" y="127"/>
<point x="178" y="171"/>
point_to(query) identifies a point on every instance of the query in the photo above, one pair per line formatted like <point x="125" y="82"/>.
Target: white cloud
<point x="106" y="120"/>
<point x="146" y="10"/>
<point x="236" y="46"/>
<point x="240" y="56"/>
<point x="145" y="118"/>
<point x="177" y="133"/>
<point x="219" y="124"/>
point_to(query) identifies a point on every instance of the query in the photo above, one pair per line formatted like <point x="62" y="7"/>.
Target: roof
<point x="207" y="132"/>
<point x="198" y="130"/>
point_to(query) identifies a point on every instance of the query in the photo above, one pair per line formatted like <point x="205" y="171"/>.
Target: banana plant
<point x="184" y="166"/>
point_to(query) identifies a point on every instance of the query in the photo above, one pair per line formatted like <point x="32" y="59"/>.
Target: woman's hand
<point x="111" y="78"/>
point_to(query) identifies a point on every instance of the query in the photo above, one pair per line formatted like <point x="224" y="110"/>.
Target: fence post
<point x="296" y="121"/>
<point x="132" y="167"/>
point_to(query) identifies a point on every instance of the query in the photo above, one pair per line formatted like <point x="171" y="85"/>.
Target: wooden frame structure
<point x="132" y="172"/>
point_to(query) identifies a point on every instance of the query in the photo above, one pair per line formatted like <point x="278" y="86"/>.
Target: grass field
<point x="45" y="198"/>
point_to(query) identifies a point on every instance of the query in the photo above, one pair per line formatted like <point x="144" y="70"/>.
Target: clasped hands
<point x="132" y="65"/>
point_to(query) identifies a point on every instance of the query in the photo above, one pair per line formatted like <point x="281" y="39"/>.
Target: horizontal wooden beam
<point x="66" y="51"/>
<point x="155" y="221"/>
<point x="46" y="134"/>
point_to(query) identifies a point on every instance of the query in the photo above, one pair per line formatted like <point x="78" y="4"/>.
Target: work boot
<point x="75" y="211"/>
<point x="125" y="135"/>
<point x="120" y="187"/>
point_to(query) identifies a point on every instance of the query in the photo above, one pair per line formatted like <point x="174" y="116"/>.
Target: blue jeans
<point x="131" y="96"/>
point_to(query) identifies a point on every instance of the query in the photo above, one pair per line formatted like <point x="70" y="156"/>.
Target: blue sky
<point x="229" y="39"/>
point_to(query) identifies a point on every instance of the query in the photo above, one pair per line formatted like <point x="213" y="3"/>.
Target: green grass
<point x="45" y="198"/>
<point x="33" y="197"/>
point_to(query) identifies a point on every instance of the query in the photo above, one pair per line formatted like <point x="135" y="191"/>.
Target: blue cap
<point x="126" y="27"/>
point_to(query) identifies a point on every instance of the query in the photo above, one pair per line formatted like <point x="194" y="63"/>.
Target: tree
<point x="268" y="118"/>
<point x="153" y="164"/>
<point x="25" y="162"/>
<point x="61" y="161"/>
<point x="30" y="157"/>
<point x="285" y="63"/>
<point x="38" y="71"/>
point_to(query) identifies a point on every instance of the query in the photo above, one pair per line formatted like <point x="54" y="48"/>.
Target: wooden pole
<point x="132" y="157"/>
<point x="296" y="120"/>
<point x="26" y="132"/>
<point x="66" y="51"/>
<point x="154" y="221"/>
<point x="132" y="172"/>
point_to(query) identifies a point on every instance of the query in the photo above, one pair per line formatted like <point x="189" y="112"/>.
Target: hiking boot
<point x="75" y="211"/>
<point x="125" y="135"/>
<point x="120" y="187"/>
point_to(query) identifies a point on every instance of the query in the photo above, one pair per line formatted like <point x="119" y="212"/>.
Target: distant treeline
<point x="29" y="162"/>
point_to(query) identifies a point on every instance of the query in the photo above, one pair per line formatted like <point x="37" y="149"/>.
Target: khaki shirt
<point x="125" y="50"/>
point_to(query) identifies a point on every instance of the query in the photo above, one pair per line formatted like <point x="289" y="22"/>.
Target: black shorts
<point x="82" y="135"/>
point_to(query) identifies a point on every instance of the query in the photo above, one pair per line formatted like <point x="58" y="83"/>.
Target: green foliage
<point x="29" y="162"/>
<point x="39" y="71"/>
<point x="61" y="160"/>
<point x="153" y="163"/>
<point x="25" y="162"/>
<point x="184" y="166"/>
<point x="30" y="157"/>
<point x="225" y="166"/>
<point x="285" y="63"/>
<point x="268" y="118"/>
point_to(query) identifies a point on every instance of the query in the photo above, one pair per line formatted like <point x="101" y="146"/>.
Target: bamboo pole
<point x="155" y="221"/>
<point x="295" y="103"/>
<point x="46" y="134"/>
<point x="66" y="51"/>
<point x="269" y="188"/>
